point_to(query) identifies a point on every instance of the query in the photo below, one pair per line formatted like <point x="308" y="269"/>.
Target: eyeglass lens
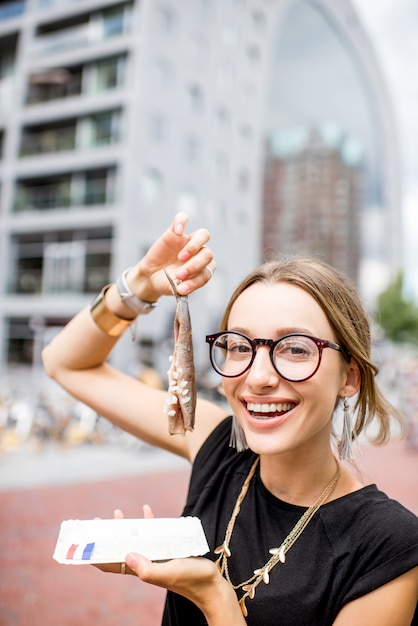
<point x="295" y="357"/>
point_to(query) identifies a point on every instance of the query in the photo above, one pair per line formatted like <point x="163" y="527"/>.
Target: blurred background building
<point x="266" y="120"/>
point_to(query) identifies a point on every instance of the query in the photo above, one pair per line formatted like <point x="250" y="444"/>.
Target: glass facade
<point x="322" y="142"/>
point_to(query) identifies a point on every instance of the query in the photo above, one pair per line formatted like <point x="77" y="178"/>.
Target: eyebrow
<point x="280" y="332"/>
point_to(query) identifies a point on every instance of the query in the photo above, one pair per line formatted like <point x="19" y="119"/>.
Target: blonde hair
<point x="341" y="303"/>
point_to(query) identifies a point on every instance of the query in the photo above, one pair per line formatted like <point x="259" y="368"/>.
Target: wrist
<point x="111" y="323"/>
<point x="130" y="299"/>
<point x="141" y="281"/>
<point x="223" y="607"/>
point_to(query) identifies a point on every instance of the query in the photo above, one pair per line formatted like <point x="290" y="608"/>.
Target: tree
<point x="396" y="314"/>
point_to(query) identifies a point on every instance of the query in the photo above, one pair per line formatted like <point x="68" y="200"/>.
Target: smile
<point x="264" y="409"/>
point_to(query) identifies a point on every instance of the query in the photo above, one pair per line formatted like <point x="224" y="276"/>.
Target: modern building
<point x="313" y="196"/>
<point x="115" y="114"/>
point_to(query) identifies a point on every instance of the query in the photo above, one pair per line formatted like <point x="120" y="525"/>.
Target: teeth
<point x="269" y="408"/>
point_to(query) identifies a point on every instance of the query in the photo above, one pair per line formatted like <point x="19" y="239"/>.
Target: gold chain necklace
<point x="262" y="574"/>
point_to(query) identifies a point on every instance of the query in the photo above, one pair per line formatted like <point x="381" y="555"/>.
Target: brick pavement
<point x="37" y="591"/>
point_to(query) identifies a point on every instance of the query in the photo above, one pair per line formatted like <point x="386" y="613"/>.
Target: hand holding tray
<point x="84" y="542"/>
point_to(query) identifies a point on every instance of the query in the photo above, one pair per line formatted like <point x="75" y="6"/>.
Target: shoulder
<point x="374" y="539"/>
<point x="377" y="516"/>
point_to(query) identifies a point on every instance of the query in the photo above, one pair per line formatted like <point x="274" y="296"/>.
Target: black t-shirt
<point x="353" y="544"/>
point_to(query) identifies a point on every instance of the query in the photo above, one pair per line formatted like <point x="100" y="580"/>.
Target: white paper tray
<point x="83" y="542"/>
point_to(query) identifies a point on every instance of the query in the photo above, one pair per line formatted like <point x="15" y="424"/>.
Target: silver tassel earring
<point x="237" y="439"/>
<point x="345" y="447"/>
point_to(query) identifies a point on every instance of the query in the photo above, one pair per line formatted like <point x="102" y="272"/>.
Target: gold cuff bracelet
<point x="108" y="322"/>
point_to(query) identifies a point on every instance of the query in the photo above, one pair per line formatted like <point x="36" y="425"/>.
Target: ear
<point x="352" y="380"/>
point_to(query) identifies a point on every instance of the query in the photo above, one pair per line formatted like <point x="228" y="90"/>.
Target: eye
<point x="236" y="347"/>
<point x="297" y="348"/>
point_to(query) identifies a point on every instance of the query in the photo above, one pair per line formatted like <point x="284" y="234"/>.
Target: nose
<point x="262" y="372"/>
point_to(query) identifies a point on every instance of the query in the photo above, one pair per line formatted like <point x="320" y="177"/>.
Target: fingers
<point x="117" y="514"/>
<point x="141" y="566"/>
<point x="185" y="256"/>
<point x="179" y="575"/>
<point x="147" y="512"/>
<point x="198" y="265"/>
<point x="179" y="223"/>
<point x="195" y="578"/>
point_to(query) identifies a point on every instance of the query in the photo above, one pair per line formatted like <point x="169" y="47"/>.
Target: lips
<point x="268" y="410"/>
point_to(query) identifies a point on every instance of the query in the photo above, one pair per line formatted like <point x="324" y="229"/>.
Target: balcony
<point x="82" y="32"/>
<point x="30" y="281"/>
<point x="65" y="82"/>
<point x="54" y="85"/>
<point x="84" y="133"/>
<point x="84" y="189"/>
<point x="76" y="262"/>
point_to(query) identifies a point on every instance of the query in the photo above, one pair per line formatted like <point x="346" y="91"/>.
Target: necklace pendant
<point x="263" y="573"/>
<point x="223" y="549"/>
<point x="280" y="551"/>
<point x="250" y="590"/>
<point x="243" y="607"/>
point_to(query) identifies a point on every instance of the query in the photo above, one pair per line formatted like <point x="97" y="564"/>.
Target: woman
<point x="296" y="537"/>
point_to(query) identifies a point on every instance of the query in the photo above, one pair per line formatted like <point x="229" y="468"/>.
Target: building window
<point x="157" y="127"/>
<point x="163" y="72"/>
<point x="66" y="190"/>
<point x="54" y="84"/>
<point x="192" y="148"/>
<point x="246" y="132"/>
<point x="195" y="94"/>
<point x="254" y="54"/>
<point x="45" y="139"/>
<point x="43" y="194"/>
<point x="20" y="342"/>
<point x="152" y="185"/>
<point x="226" y="76"/>
<point x="8" y="46"/>
<point x="187" y="201"/>
<point x="109" y="73"/>
<point x="62" y="262"/>
<point x="166" y="19"/>
<point x="98" y="187"/>
<point x="221" y="163"/>
<point x="103" y="128"/>
<point x="82" y="30"/>
<point x="223" y="115"/>
<point x="243" y="179"/>
<point x="259" y="19"/>
<point x="115" y="21"/>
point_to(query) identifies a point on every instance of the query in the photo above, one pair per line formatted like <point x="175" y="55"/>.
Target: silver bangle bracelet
<point x="129" y="299"/>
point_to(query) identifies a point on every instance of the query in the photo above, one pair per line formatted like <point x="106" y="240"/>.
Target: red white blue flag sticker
<point x="80" y="552"/>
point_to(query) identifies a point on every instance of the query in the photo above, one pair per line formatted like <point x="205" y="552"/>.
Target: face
<point x="278" y="415"/>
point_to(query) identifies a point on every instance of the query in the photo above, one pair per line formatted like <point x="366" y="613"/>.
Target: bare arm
<point x="392" y="604"/>
<point x="76" y="358"/>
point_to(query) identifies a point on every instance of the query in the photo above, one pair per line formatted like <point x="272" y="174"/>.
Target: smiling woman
<point x="285" y="507"/>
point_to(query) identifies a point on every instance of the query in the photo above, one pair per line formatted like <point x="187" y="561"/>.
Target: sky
<point x="393" y="28"/>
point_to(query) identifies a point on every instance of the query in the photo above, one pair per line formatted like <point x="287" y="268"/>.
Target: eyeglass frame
<point x="272" y="343"/>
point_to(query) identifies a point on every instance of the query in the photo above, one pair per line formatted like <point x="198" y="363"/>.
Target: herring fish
<point x="181" y="402"/>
